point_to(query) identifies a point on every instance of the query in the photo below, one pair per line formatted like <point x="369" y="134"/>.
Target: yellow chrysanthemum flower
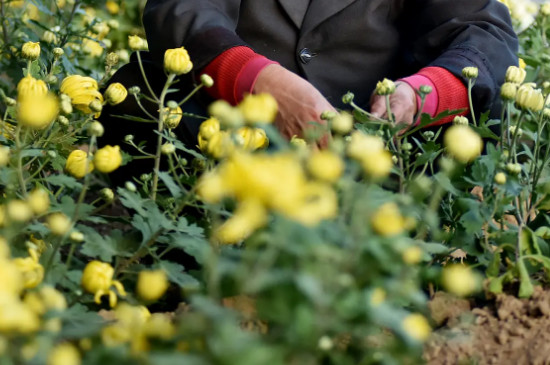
<point x="97" y="279"/>
<point x="151" y="285"/>
<point x="82" y="90"/>
<point x="107" y="159"/>
<point x="76" y="164"/>
<point x="177" y="61"/>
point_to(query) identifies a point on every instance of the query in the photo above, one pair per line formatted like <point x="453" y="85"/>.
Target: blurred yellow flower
<point x="82" y="90"/>
<point x="522" y="63"/>
<point x="31" y="270"/>
<point x="258" y="108"/>
<point x="29" y="87"/>
<point x="159" y="325"/>
<point x="377" y="297"/>
<point x="64" y="354"/>
<point x="30" y="50"/>
<point x="116" y="93"/>
<point x="387" y="220"/>
<point x="137" y="43"/>
<point x="92" y="47"/>
<point x="112" y="7"/>
<point x="209" y="127"/>
<point x="252" y="139"/>
<point x="37" y="112"/>
<point x="12" y="280"/>
<point x="325" y="165"/>
<point x="76" y="164"/>
<point x="151" y="285"/>
<point x="18" y="210"/>
<point x="249" y="216"/>
<point x="39" y="200"/>
<point x="412" y="255"/>
<point x="59" y="224"/>
<point x="342" y="123"/>
<point x="416" y="326"/>
<point x="220" y="145"/>
<point x="16" y="317"/>
<point x="177" y="61"/>
<point x="107" y="159"/>
<point x="460" y="280"/>
<point x="463" y="143"/>
<point x="97" y="279"/>
<point x="4" y="155"/>
<point x="500" y="178"/>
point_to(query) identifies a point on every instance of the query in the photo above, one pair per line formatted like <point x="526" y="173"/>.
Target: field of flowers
<point x="246" y="248"/>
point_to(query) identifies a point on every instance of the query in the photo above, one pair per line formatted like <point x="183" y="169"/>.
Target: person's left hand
<point x="402" y="104"/>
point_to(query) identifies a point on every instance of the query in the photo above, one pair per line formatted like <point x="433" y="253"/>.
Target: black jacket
<point x="345" y="45"/>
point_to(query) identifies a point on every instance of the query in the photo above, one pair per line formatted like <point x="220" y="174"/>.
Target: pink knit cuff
<point x="432" y="99"/>
<point x="249" y="74"/>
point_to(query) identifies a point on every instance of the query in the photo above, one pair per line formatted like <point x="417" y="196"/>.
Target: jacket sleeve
<point x="206" y="28"/>
<point x="455" y="34"/>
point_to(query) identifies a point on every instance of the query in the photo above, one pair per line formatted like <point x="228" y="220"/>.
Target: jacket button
<point x="306" y="55"/>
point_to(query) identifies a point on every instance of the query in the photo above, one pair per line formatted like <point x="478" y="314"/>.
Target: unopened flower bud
<point x="58" y="52"/>
<point x="385" y="87"/>
<point x="514" y="130"/>
<point x="515" y="75"/>
<point x="342" y="123"/>
<point x="31" y="50"/>
<point x="52" y="154"/>
<point x="136" y="43"/>
<point x="508" y="91"/>
<point x="172" y="104"/>
<point x="111" y="59"/>
<point x="425" y="89"/>
<point x="130" y="186"/>
<point x="115" y="94"/>
<point x="546" y="113"/>
<point x="394" y="159"/>
<point x="51" y="79"/>
<point x="96" y="106"/>
<point x="328" y="115"/>
<point x="134" y="90"/>
<point x="62" y="120"/>
<point x="107" y="194"/>
<point x="348" y="98"/>
<point x="65" y="106"/>
<point x="145" y="177"/>
<point x="128" y="138"/>
<point x="168" y="149"/>
<point x="513" y="168"/>
<point x="460" y="120"/>
<point x="76" y="236"/>
<point x="10" y="101"/>
<point x="113" y="23"/>
<point x="406" y="147"/>
<point x="96" y="129"/>
<point x="500" y="178"/>
<point x="470" y="72"/>
<point x="207" y="80"/>
<point x="429" y="135"/>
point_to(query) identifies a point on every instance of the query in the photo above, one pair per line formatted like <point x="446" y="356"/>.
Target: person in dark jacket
<point x="308" y="53"/>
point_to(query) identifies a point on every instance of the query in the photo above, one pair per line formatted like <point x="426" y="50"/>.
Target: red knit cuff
<point x="234" y="73"/>
<point x="451" y="91"/>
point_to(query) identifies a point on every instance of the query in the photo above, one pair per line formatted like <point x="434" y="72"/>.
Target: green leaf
<point x="494" y="266"/>
<point x="176" y="274"/>
<point x="526" y="288"/>
<point x="528" y="242"/>
<point x="64" y="180"/>
<point x="78" y="322"/>
<point x="435" y="248"/>
<point x="131" y="200"/>
<point x="167" y="179"/>
<point x="495" y="284"/>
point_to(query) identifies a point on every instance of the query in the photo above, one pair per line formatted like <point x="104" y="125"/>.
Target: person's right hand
<point x="299" y="102"/>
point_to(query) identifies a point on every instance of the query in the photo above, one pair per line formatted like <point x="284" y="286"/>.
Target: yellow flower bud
<point x="412" y="255"/>
<point x="252" y="139"/>
<point x="65" y="354"/>
<point x="31" y="50"/>
<point x="82" y="91"/>
<point x="38" y="112"/>
<point x="416" y="326"/>
<point x="137" y="43"/>
<point x="76" y="164"/>
<point x="258" y="108"/>
<point x="463" y="143"/>
<point x="528" y="98"/>
<point x="107" y="159"/>
<point x="39" y="201"/>
<point x="167" y="148"/>
<point x="30" y="269"/>
<point x="211" y="187"/>
<point x="385" y="87"/>
<point x="325" y="165"/>
<point x="49" y="37"/>
<point x="18" y="210"/>
<point x="387" y="220"/>
<point x="249" y="216"/>
<point x="29" y="87"/>
<point x="207" y="80"/>
<point x="76" y="236"/>
<point x="4" y="155"/>
<point x="177" y="61"/>
<point x="116" y="93"/>
<point x="460" y="120"/>
<point x="107" y="194"/>
<point x="96" y="129"/>
<point x="97" y="276"/>
<point x="208" y="128"/>
<point x="151" y="285"/>
<point x="515" y="75"/>
<point x="59" y="223"/>
<point x="342" y="123"/>
<point x="172" y="117"/>
<point x="500" y="178"/>
<point x="544" y="10"/>
<point x="460" y="280"/>
<point x="113" y="8"/>
<point x="470" y="72"/>
<point x="508" y="91"/>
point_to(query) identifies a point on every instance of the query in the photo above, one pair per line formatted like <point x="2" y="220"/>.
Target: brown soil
<point x="509" y="331"/>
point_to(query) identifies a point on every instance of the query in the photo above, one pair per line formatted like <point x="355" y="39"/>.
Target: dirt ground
<point x="507" y="330"/>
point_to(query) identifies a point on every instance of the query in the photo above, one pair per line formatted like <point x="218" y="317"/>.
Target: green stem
<point x="162" y="113"/>
<point x="145" y="77"/>
<point x="193" y="92"/>
<point x="515" y="139"/>
<point x="19" y="149"/>
<point x="471" y="83"/>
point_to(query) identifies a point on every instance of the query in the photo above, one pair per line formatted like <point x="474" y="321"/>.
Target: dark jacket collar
<point x="317" y="12"/>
